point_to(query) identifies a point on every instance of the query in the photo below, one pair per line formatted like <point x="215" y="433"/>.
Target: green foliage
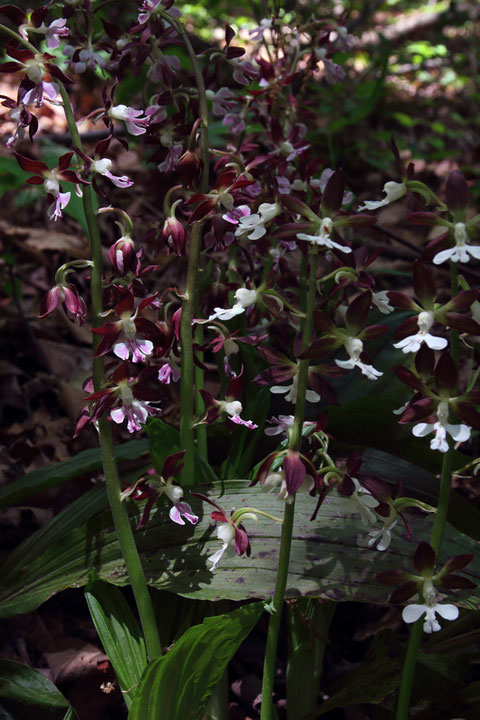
<point x="329" y="556"/>
<point x="84" y="462"/>
<point x="177" y="686"/>
<point x="26" y="693"/>
<point x="308" y="625"/>
<point x="119" y="633"/>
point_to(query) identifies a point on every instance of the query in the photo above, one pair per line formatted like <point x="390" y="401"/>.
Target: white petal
<point x="411" y="343"/>
<point x="121" y="350"/>
<point x="216" y="557"/>
<point x="460" y="433"/>
<point x="280" y="389"/>
<point x="423" y="429"/>
<point x="118" y="415"/>
<point x="221" y="314"/>
<point x="346" y="364"/>
<point x="411" y="613"/>
<point x="435" y="343"/>
<point x="444" y="255"/>
<point x="312" y="396"/>
<point x="448" y="612"/>
<point x="474" y="251"/>
<point x="373" y="204"/>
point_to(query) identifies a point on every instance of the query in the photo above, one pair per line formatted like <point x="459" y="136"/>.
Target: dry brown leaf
<point x="41" y="239"/>
<point x="75" y="661"/>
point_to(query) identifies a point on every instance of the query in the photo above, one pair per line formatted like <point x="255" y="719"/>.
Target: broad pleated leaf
<point x="24" y="686"/>
<point x="177" y="686"/>
<point x="83" y="463"/>
<point x="330" y="557"/>
<point x="119" y="633"/>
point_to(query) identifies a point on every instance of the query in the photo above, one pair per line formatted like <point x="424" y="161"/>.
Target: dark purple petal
<point x="30" y="165"/>
<point x="462" y="324"/>
<point x="332" y="197"/>
<point x="294" y="471"/>
<point x="425" y="362"/>
<point x="392" y="577"/>
<point x="456" y="192"/>
<point x="404" y="592"/>
<point x="446" y="375"/>
<point x="172" y="465"/>
<point x="211" y="502"/>
<point x="408" y="378"/>
<point x="320" y="348"/>
<point x="242" y="544"/>
<point x="455" y="582"/>
<point x="424" y="558"/>
<point x="424" y="284"/>
<point x="467" y="413"/>
<point x="357" y="312"/>
<point x="401" y="300"/>
<point x="373" y="331"/>
<point x="424" y="218"/>
<point x="14" y="14"/>
<point x="458" y="562"/>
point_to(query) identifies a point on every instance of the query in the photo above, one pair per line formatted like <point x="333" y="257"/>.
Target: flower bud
<point x="174" y="235"/>
<point x="122" y="256"/>
<point x="189" y="168"/>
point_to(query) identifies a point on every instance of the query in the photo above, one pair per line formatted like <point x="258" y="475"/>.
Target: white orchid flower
<point x="412" y="343"/>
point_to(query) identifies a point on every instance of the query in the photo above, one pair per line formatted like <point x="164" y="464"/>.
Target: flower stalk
<point x="110" y="468"/>
<point x="275" y="607"/>
<point x="192" y="377"/>
<point x="408" y="672"/>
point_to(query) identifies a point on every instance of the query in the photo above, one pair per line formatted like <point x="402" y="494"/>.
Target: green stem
<point x="454" y="339"/>
<point x="267" y="710"/>
<point x="19" y="39"/>
<point x="187" y="377"/>
<point x="110" y="468"/>
<point x="443" y="499"/>
<point x="439" y="522"/>
<point x="199" y="403"/>
<point x="408" y="671"/>
<point x="189" y="374"/>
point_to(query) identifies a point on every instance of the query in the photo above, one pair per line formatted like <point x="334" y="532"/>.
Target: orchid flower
<point x="253" y="226"/>
<point x="412" y="343"/>
<point x="244" y="299"/>
<point x="412" y="613"/>
<point x="393" y="191"/>
<point x="460" y="433"/>
<point x="354" y="347"/>
<point x="136" y="124"/>
<point x="153" y="485"/>
<point x="103" y="166"/>
<point x="461" y="251"/>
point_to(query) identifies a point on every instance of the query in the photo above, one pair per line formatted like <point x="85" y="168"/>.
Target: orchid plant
<point x="277" y="289"/>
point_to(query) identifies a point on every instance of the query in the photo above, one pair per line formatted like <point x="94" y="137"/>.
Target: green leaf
<point x="119" y="633"/>
<point x="72" y="517"/>
<point x="26" y="692"/>
<point x="177" y="686"/>
<point x="163" y="439"/>
<point x="83" y="463"/>
<point x="308" y="621"/>
<point x="329" y="559"/>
